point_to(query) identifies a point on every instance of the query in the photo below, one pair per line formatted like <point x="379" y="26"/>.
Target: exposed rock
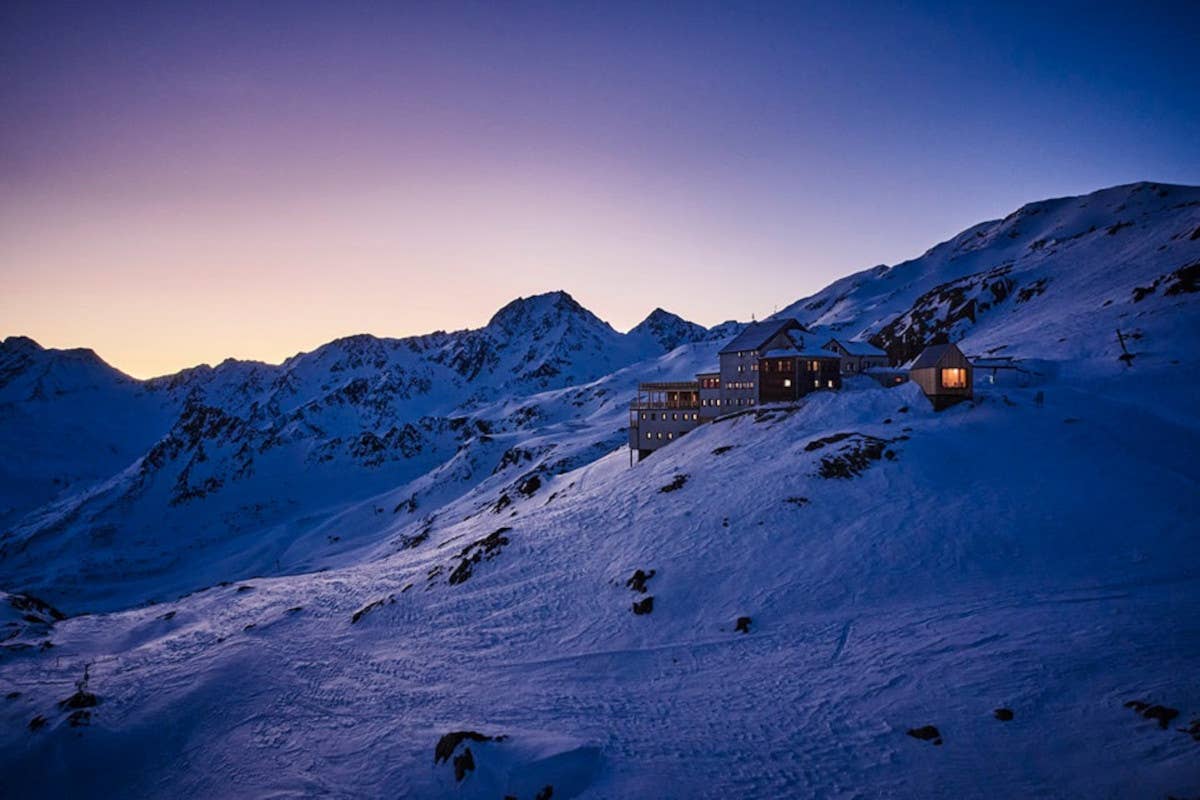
<point x="854" y="457"/>
<point x="37" y="723"/>
<point x="529" y="485"/>
<point x="1003" y="714"/>
<point x="675" y="484"/>
<point x="484" y="549"/>
<point x="369" y="607"/>
<point x="743" y="625"/>
<point x="643" y="606"/>
<point x="545" y="794"/>
<point x="725" y="448"/>
<point x="797" y="500"/>
<point x="926" y="733"/>
<point x="638" y="581"/>
<point x="1162" y="714"/>
<point x="464" y="762"/>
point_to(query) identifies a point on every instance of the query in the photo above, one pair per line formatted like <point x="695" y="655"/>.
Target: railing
<point x="637" y="405"/>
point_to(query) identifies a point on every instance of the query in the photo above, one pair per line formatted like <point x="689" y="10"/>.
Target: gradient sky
<point x="180" y="183"/>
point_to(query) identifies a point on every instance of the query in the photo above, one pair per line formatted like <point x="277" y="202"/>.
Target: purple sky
<point x="180" y="183"/>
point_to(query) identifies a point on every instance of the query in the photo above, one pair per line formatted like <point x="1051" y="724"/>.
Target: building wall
<point x="739" y="380"/>
<point x="652" y="428"/>
<point x="710" y="395"/>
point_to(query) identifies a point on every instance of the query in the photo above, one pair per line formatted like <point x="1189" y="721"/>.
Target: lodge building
<point x="775" y="362"/>
<point x="768" y="362"/>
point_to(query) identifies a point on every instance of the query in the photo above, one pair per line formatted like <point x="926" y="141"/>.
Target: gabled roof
<point x="858" y="348"/>
<point x="758" y="334"/>
<point x="932" y="354"/>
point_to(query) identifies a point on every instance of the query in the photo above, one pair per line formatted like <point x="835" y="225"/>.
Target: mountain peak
<point x="20" y="344"/>
<point x="528" y="312"/>
<point x="669" y="330"/>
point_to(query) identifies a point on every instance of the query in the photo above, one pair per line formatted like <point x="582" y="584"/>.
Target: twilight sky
<point x="184" y="182"/>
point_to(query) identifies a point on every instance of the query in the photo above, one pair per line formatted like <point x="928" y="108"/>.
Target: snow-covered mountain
<point x="218" y="472"/>
<point x="426" y="568"/>
<point x="1054" y="279"/>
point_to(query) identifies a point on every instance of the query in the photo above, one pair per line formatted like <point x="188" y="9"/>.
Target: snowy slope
<point x="958" y="575"/>
<point x="1073" y="269"/>
<point x="1034" y="550"/>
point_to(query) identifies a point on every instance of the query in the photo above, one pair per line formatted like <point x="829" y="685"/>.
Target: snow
<point x="1033" y="549"/>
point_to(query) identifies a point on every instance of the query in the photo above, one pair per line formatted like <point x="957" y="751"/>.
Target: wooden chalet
<point x="944" y="374"/>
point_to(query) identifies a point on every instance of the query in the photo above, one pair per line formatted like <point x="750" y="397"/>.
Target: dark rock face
<point x="36" y="611"/>
<point x="464" y="762"/>
<point x="643" y="606"/>
<point x="743" y="625"/>
<point x="369" y="607"/>
<point x="545" y="794"/>
<point x="935" y="313"/>
<point x="529" y="485"/>
<point x="797" y="501"/>
<point x="37" y="723"/>
<point x="853" y="457"/>
<point x="926" y="733"/>
<point x="676" y="484"/>
<point x="1003" y="714"/>
<point x="722" y="449"/>
<point x="638" y="581"/>
<point x="1162" y="714"/>
<point x="484" y="549"/>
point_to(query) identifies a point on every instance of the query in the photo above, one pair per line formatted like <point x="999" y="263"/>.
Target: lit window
<point x="831" y="384"/>
<point x="954" y="378"/>
<point x="787" y="383"/>
<point x="739" y="367"/>
<point x="674" y="416"/>
<point x="670" y="436"/>
<point x="643" y="415"/>
<point x="660" y="435"/>
<point x="649" y="435"/>
<point x="816" y="384"/>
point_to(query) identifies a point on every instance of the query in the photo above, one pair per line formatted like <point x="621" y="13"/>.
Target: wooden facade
<point x="944" y="374"/>
<point x="783" y="379"/>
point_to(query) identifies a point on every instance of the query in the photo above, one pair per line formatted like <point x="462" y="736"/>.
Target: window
<point x="649" y="435"/>
<point x="643" y="415"/>
<point x="754" y="367"/>
<point x="787" y="383"/>
<point x="670" y="436"/>
<point x="831" y="384"/>
<point x="675" y="416"/>
<point x="954" y="378"/>
<point x="816" y="384"/>
<point x="660" y="435"/>
<point x="814" y="365"/>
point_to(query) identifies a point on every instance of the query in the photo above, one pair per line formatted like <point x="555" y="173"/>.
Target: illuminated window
<point x="831" y="384"/>
<point x="660" y="436"/>
<point x="954" y="378"/>
<point x="674" y="416"/>
<point x="816" y="384"/>
<point x="643" y="415"/>
<point x="670" y="436"/>
<point x="787" y="383"/>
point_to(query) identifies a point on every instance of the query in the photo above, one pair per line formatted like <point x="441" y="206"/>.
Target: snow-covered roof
<point x="858" y="348"/>
<point x="759" y="333"/>
<point x="793" y="352"/>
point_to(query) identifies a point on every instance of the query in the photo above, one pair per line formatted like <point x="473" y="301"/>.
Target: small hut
<point x="944" y="374"/>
